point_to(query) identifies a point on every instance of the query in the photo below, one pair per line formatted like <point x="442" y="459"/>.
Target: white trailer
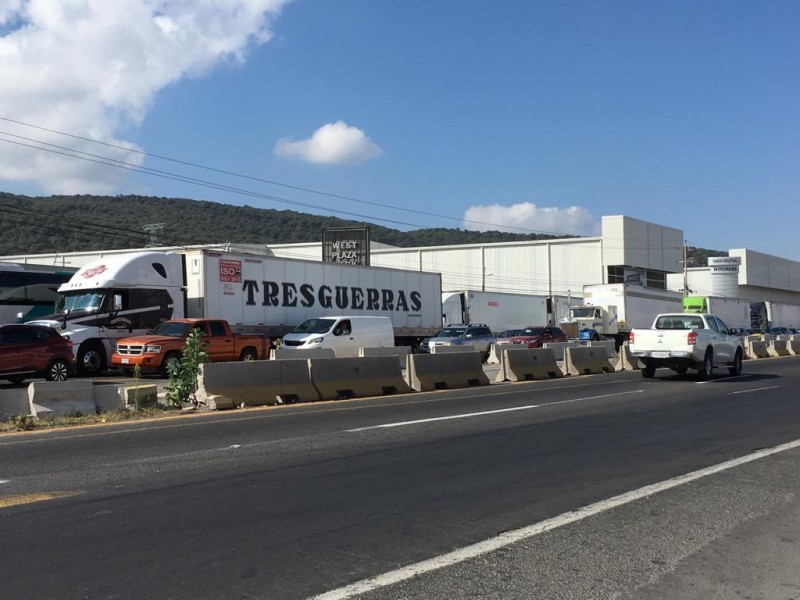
<point x="734" y="313"/>
<point x="127" y="294"/>
<point x="498" y="310"/>
<point x="612" y="310"/>
<point x="780" y="314"/>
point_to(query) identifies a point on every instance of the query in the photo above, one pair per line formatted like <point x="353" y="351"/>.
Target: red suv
<point x="535" y="337"/>
<point x="34" y="351"/>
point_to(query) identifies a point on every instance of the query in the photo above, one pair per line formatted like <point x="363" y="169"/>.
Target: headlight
<point x="314" y="341"/>
<point x="152" y="349"/>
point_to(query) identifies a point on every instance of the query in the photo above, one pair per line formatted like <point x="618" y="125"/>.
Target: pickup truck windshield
<point x="679" y="322"/>
<point x="171" y="329"/>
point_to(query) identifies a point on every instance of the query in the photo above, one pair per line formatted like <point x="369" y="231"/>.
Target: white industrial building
<point x="627" y="251"/>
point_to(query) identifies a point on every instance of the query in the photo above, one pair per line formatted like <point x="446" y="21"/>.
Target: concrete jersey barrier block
<point x="560" y="348"/>
<point x="49" y="399"/>
<point x="14" y="403"/>
<point x="495" y="354"/>
<point x="108" y="397"/>
<point x="428" y="372"/>
<point x="337" y="378"/>
<point x="757" y="349"/>
<point x="625" y="360"/>
<point x="256" y="383"/>
<point x="794" y="345"/>
<point x="609" y="345"/>
<point x="453" y="349"/>
<point x="585" y="360"/>
<point x="285" y="353"/>
<point x="778" y="348"/>
<point x="401" y="352"/>
<point x="526" y="364"/>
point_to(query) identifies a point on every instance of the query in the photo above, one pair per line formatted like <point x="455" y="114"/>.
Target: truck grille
<point x="130" y="349"/>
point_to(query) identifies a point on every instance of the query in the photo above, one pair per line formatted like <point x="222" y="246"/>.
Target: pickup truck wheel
<point x="648" y="371"/>
<point x="173" y="358"/>
<point x="736" y="367"/>
<point x="91" y="359"/>
<point x="248" y="355"/>
<point x="681" y="370"/>
<point x="706" y="370"/>
<point x="58" y="370"/>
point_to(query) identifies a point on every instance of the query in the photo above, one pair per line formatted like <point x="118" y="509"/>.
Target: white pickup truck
<point x="683" y="341"/>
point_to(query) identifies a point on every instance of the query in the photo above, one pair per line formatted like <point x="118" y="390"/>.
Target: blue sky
<point x="517" y="115"/>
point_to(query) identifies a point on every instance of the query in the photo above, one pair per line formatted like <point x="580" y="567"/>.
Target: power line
<point x="268" y="181"/>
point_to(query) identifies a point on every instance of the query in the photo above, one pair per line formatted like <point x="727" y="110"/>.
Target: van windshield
<point x="315" y="326"/>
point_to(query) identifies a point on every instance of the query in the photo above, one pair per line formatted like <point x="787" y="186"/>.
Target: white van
<point x="345" y="335"/>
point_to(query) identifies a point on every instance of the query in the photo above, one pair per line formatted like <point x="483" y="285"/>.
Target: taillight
<point x="630" y="338"/>
<point x="692" y="338"/>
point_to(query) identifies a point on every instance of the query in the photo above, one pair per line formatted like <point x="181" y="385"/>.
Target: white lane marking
<point x="486" y="412"/>
<point x="4" y="481"/>
<point x="512" y="537"/>
<point x="761" y="389"/>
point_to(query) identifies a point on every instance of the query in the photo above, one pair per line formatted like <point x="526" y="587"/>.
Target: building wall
<point x="635" y="243"/>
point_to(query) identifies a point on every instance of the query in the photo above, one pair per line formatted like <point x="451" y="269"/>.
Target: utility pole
<point x="153" y="229"/>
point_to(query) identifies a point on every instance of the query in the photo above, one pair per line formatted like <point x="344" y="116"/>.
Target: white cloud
<point x="332" y="144"/>
<point x="573" y="220"/>
<point x="93" y="67"/>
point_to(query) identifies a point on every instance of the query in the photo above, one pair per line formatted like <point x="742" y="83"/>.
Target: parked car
<point x="504" y="337"/>
<point x="34" y="351"/>
<point x="779" y="331"/>
<point x="477" y="335"/>
<point x="535" y="337"/>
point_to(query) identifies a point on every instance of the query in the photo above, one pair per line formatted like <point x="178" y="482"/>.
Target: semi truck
<point x="29" y="291"/>
<point x="733" y="312"/>
<point x="498" y="310"/>
<point x="611" y="311"/>
<point x="128" y="294"/>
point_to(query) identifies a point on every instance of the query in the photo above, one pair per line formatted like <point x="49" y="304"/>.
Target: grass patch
<point x="28" y="423"/>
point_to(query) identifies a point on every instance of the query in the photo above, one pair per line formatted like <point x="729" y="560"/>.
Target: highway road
<point x="551" y="489"/>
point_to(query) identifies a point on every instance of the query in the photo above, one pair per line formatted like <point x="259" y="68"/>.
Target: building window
<point x="656" y="279"/>
<point x="616" y="274"/>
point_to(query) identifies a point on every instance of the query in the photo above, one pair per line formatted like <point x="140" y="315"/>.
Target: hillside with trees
<point x="35" y="225"/>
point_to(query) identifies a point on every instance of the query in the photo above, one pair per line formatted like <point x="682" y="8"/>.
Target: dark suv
<point x="478" y="336"/>
<point x="34" y="351"/>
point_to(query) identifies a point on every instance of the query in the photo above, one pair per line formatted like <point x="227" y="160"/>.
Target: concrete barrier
<point x="777" y="348"/>
<point x="560" y="348"/>
<point x="756" y="349"/>
<point x="609" y="345"/>
<point x="794" y="345"/>
<point x="427" y="372"/>
<point x="453" y="349"/>
<point x="401" y="352"/>
<point x="337" y="378"/>
<point x="145" y="394"/>
<point x="625" y="360"/>
<point x="108" y="397"/>
<point x="495" y="354"/>
<point x="284" y="353"/>
<point x="14" y="402"/>
<point x="50" y="399"/>
<point x="256" y="383"/>
<point x="586" y="360"/>
<point x="526" y="364"/>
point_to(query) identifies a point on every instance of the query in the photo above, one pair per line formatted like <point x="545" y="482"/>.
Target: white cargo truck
<point x="498" y="310"/>
<point x="733" y="312"/>
<point x="612" y="310"/>
<point x="780" y="314"/>
<point x="127" y="294"/>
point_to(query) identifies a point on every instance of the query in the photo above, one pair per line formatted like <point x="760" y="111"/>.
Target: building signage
<point x="724" y="264"/>
<point x="346" y="245"/>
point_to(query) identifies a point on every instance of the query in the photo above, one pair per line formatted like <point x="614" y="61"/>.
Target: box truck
<point x="127" y="294"/>
<point x="611" y="311"/>
<point x="498" y="310"/>
<point x="734" y="313"/>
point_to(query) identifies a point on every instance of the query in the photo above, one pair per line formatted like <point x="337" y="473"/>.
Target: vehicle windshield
<point x="582" y="313"/>
<point x="171" y="329"/>
<point x="89" y="301"/>
<point x="679" y="322"/>
<point x="315" y="326"/>
<point x="451" y="332"/>
<point x="533" y="331"/>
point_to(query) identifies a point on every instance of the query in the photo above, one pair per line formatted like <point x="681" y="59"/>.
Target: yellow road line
<point x="31" y="498"/>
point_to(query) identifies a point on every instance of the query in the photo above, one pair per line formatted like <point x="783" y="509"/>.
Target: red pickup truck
<point x="154" y="352"/>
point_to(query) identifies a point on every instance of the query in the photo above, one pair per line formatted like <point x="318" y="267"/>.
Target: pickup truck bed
<point x="683" y="341"/>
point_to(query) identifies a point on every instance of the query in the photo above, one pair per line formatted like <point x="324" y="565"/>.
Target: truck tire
<point x="248" y="355"/>
<point x="736" y="366"/>
<point x="648" y="371"/>
<point x="91" y="359"/>
<point x="706" y="370"/>
<point x="170" y="358"/>
<point x="58" y="370"/>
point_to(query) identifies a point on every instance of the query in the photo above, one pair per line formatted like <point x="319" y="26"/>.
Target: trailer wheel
<point x="248" y="355"/>
<point x="91" y="359"/>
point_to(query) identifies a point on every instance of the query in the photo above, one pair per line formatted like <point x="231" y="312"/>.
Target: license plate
<point x="659" y="354"/>
<point x="125" y="361"/>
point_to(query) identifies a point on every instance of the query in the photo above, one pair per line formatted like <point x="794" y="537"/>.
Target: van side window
<point x="343" y="328"/>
